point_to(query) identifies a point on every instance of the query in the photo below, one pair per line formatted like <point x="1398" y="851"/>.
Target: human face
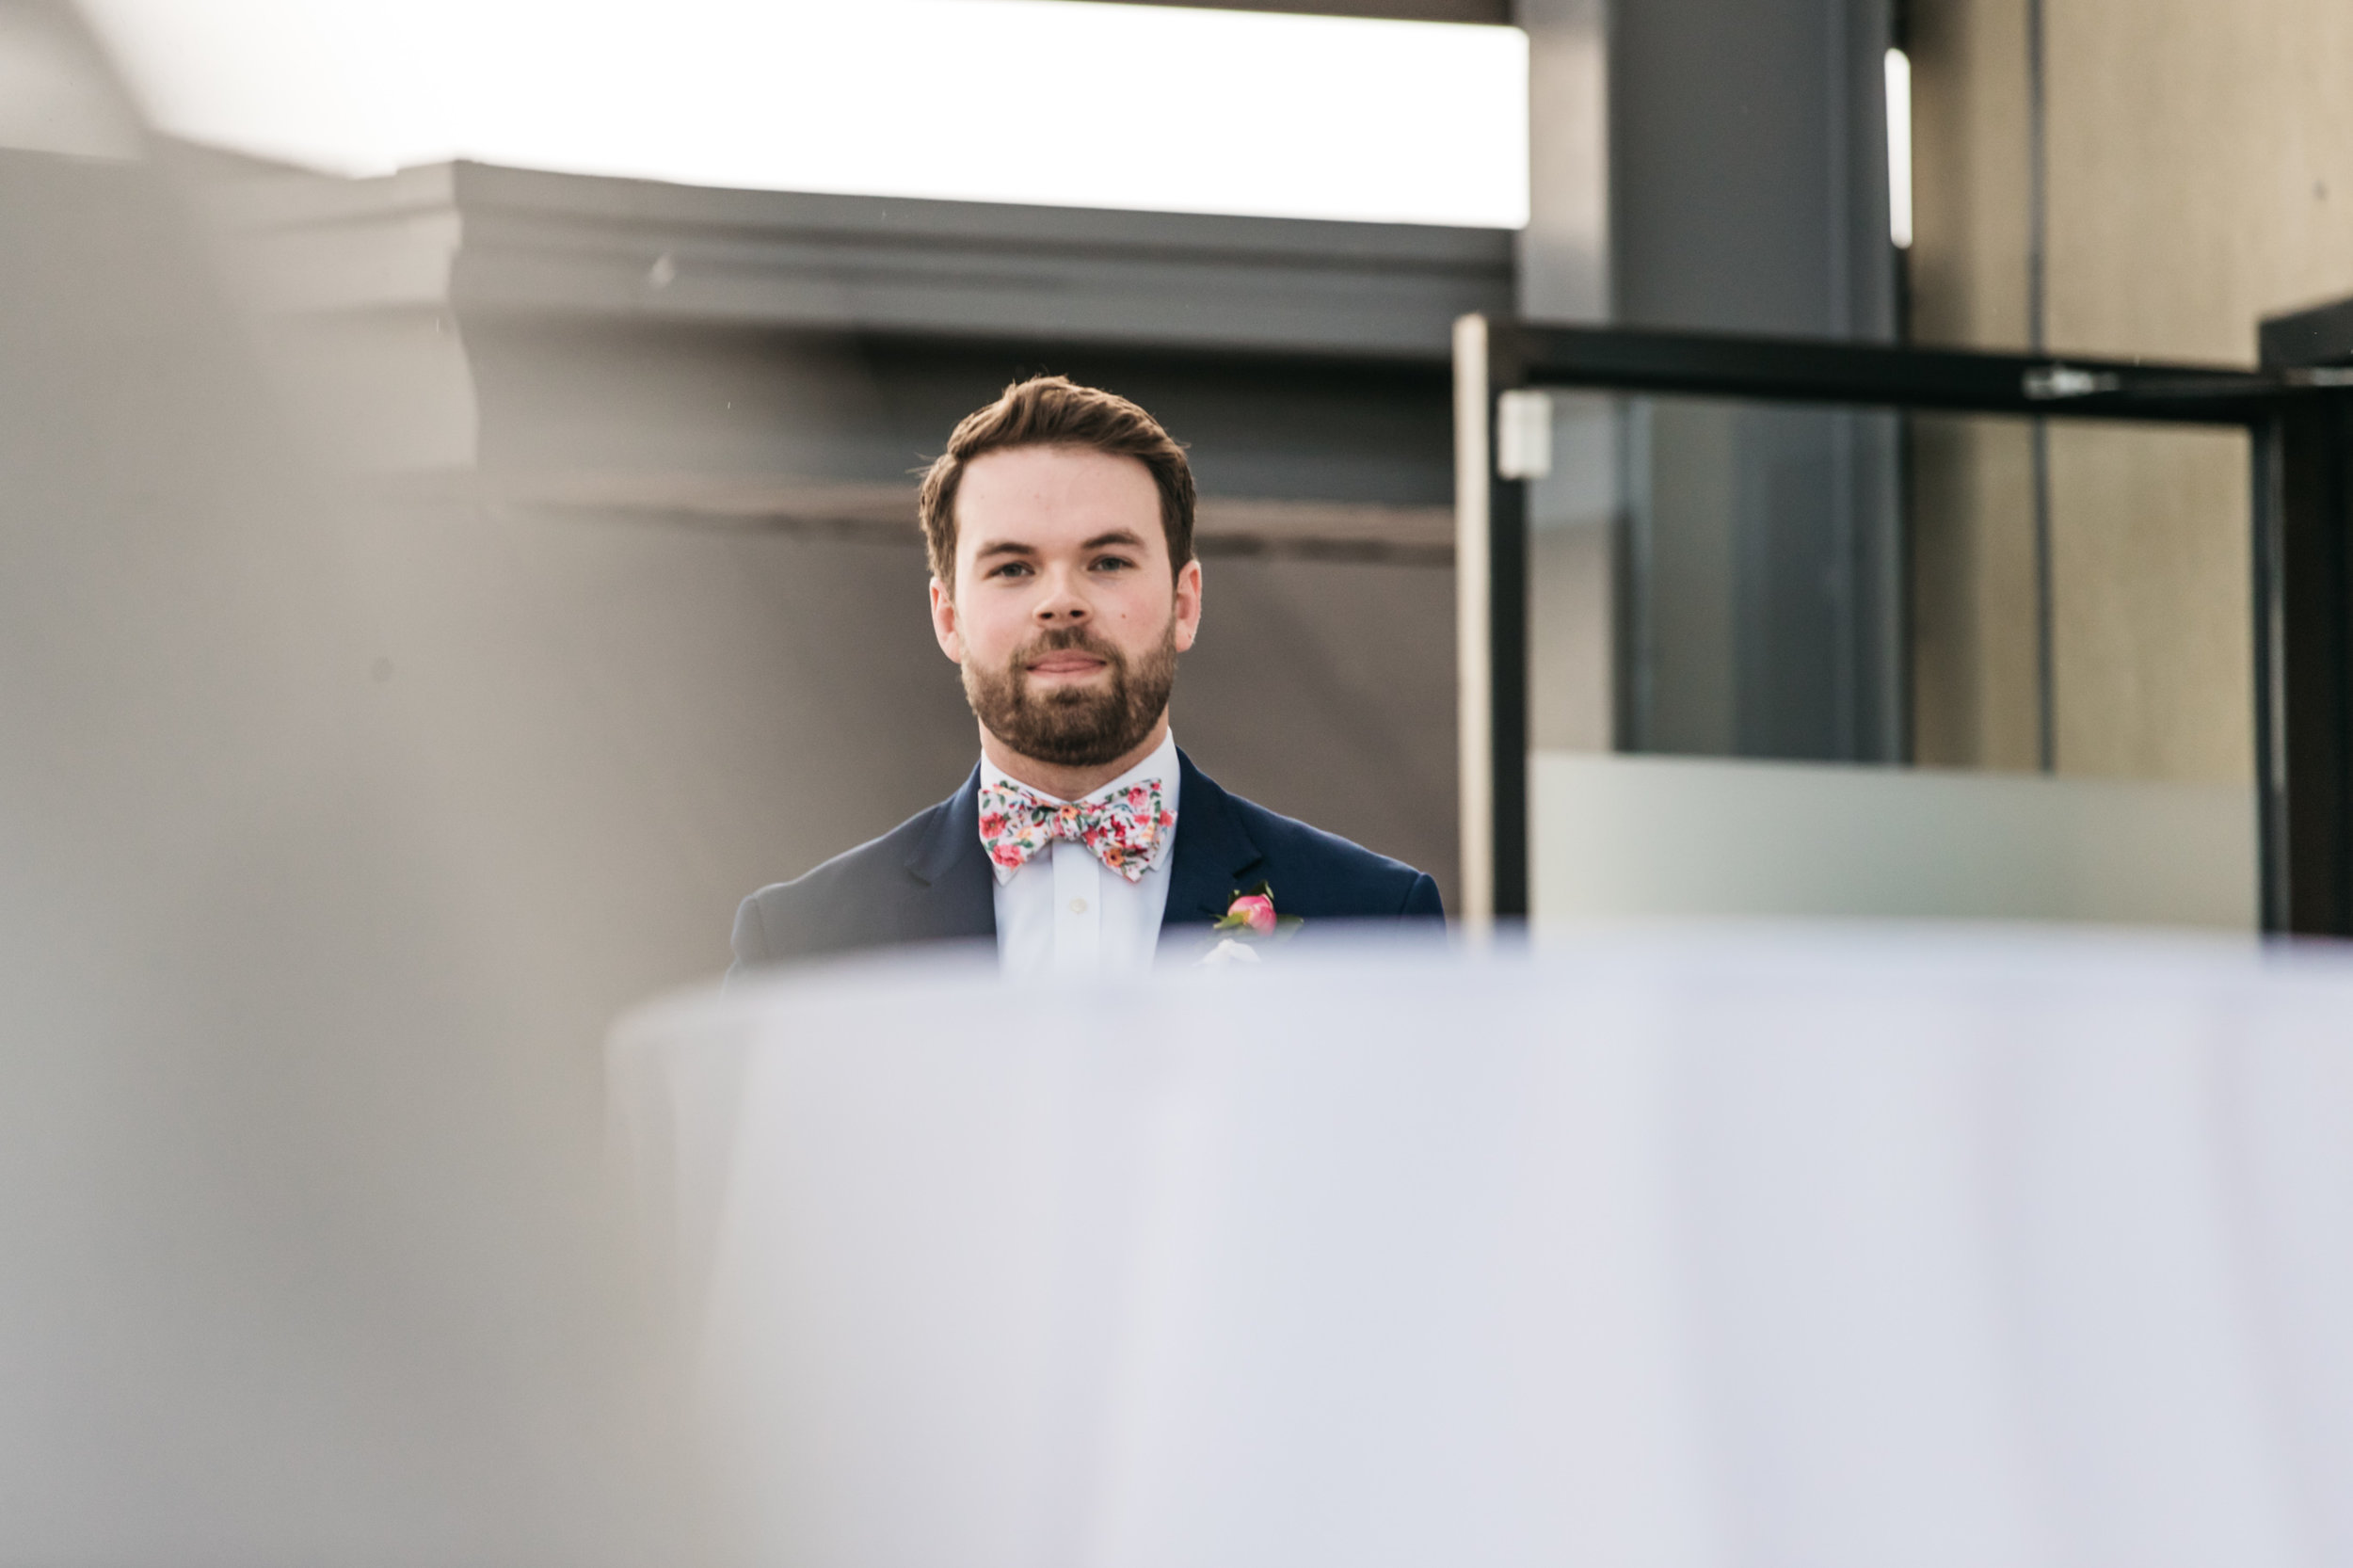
<point x="1064" y="615"/>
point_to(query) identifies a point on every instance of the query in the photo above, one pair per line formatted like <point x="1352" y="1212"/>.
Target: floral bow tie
<point x="1123" y="829"/>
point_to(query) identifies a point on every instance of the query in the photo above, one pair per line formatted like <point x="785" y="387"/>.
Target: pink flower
<point x="1255" y="910"/>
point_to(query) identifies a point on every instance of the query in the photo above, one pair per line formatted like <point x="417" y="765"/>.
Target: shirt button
<point x="1078" y="906"/>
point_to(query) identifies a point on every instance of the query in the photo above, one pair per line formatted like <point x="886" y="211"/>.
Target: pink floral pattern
<point x="1124" y="829"/>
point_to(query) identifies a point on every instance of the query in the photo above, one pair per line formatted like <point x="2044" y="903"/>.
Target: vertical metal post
<point x="2303" y="581"/>
<point x="2038" y="338"/>
<point x="1507" y="647"/>
<point x="2267" y="442"/>
<point x="2304" y="668"/>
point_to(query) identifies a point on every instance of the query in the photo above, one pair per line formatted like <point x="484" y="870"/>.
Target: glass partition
<point x="1718" y="577"/>
<point x="1731" y="605"/>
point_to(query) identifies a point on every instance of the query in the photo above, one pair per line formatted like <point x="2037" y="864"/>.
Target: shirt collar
<point x="1160" y="766"/>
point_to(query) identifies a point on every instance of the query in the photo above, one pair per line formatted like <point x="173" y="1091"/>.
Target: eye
<point x="1008" y="569"/>
<point x="1113" y="563"/>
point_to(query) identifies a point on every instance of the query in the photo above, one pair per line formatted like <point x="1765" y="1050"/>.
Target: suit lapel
<point x="1214" y="854"/>
<point x="958" y="893"/>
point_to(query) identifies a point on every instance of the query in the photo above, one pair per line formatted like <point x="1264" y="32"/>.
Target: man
<point x="1059" y="523"/>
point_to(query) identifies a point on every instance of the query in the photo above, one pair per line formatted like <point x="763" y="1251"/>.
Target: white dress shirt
<point x="1061" y="913"/>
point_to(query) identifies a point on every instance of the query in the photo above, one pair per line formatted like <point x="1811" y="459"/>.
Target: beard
<point x="1071" y="726"/>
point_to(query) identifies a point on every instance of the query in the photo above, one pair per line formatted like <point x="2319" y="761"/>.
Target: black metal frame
<point x="2298" y="411"/>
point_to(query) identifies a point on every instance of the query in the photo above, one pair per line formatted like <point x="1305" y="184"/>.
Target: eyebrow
<point x="1014" y="547"/>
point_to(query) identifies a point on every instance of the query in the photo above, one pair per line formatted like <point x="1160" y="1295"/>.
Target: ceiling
<point x="1395" y="10"/>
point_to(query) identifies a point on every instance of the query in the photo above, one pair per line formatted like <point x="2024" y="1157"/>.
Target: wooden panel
<point x="2202" y="169"/>
<point x="2154" y="635"/>
<point x="1973" y="520"/>
<point x="2200" y="176"/>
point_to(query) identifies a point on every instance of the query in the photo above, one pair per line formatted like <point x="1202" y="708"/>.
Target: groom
<point x="1059" y="527"/>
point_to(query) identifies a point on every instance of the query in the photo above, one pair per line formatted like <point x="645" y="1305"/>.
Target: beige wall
<point x="2202" y="169"/>
<point x="1973" y="550"/>
<point x="2200" y="176"/>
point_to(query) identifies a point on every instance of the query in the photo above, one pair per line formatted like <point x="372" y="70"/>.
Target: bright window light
<point x="1060" y="101"/>
<point x="1900" y="149"/>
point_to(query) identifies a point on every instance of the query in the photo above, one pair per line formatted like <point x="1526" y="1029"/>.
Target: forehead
<point x="1046" y="497"/>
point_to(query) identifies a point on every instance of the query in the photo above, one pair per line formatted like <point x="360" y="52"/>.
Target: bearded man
<point x="1059" y="523"/>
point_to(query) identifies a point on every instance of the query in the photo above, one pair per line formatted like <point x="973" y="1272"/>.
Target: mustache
<point x="1066" y="639"/>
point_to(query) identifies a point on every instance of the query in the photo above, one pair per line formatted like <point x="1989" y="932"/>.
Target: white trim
<point x="1473" y="678"/>
<point x="1900" y="149"/>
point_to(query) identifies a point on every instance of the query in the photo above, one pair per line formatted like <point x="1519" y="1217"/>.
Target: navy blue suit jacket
<point x="927" y="880"/>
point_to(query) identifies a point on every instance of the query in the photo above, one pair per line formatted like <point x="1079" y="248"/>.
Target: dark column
<point x="1748" y="193"/>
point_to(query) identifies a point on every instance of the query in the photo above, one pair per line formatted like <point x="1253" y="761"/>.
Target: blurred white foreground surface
<point x="1828" y="1248"/>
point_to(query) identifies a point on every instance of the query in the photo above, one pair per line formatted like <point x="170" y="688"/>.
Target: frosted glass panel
<point x="1616" y="837"/>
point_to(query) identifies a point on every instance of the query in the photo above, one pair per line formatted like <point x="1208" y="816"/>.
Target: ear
<point x="1188" y="619"/>
<point x="944" y="622"/>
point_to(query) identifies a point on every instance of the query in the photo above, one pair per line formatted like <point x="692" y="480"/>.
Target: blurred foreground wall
<point x="302" y="1257"/>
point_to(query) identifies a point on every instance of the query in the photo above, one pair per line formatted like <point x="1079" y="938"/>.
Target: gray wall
<point x="647" y="720"/>
<point x="562" y="395"/>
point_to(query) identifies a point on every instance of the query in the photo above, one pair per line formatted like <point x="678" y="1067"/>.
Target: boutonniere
<point x="1249" y="921"/>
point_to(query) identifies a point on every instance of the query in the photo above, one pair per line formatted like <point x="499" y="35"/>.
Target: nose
<point x="1061" y="604"/>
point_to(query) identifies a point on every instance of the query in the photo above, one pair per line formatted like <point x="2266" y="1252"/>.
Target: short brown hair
<point x="1054" y="410"/>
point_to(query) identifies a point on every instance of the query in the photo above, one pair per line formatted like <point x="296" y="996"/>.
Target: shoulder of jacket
<point x="890" y="851"/>
<point x="832" y="905"/>
<point x="887" y="853"/>
<point x="1281" y="838"/>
